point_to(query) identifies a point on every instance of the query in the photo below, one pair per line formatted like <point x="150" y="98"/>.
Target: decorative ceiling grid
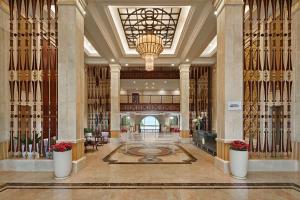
<point x="140" y="21"/>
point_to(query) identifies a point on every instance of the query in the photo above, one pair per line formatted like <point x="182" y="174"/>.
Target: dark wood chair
<point x="93" y="140"/>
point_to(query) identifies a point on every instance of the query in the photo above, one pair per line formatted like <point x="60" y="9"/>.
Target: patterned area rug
<point x="150" y="154"/>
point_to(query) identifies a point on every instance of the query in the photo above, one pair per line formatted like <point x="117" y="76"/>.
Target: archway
<point x="149" y="124"/>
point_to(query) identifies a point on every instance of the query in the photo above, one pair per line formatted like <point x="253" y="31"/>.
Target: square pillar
<point x="4" y="81"/>
<point x="114" y="102"/>
<point x="296" y="67"/>
<point x="71" y="76"/>
<point x="229" y="76"/>
<point x="184" y="103"/>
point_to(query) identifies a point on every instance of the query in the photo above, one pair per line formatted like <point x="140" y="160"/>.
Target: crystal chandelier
<point x="149" y="47"/>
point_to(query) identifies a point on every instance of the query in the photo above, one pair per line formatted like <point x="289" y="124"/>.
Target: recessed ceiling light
<point x="146" y="83"/>
<point x="153" y="83"/>
<point x="187" y="60"/>
<point x="147" y="87"/>
<point x="216" y="13"/>
<point x="133" y="82"/>
<point x="165" y="81"/>
<point x="126" y="65"/>
<point x="173" y="65"/>
<point x="112" y="60"/>
<point x="152" y="87"/>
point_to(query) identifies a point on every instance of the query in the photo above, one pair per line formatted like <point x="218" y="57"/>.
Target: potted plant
<point x="197" y="121"/>
<point x="238" y="159"/>
<point x="62" y="156"/>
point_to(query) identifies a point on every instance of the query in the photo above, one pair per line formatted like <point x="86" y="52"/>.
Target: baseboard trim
<point x="222" y="165"/>
<point x="25" y="165"/>
<point x="273" y="165"/>
<point x="114" y="140"/>
<point x="186" y="140"/>
<point x="78" y="164"/>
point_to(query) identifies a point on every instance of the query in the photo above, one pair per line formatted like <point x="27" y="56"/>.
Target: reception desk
<point x="205" y="140"/>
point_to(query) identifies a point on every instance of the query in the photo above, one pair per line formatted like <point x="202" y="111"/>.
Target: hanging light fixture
<point x="149" y="46"/>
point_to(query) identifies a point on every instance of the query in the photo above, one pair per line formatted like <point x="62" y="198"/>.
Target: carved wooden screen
<point x="33" y="76"/>
<point x="98" y="97"/>
<point x="268" y="77"/>
<point x="200" y="94"/>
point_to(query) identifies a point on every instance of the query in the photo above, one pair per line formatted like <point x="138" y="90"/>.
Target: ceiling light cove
<point x="89" y="48"/>
<point x="211" y="49"/>
<point x="165" y="22"/>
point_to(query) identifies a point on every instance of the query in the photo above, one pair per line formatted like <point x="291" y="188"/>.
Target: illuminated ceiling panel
<point x="168" y="22"/>
<point x="140" y="21"/>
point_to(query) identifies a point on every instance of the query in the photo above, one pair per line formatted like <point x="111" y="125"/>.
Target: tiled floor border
<point x="189" y="161"/>
<point x="111" y="186"/>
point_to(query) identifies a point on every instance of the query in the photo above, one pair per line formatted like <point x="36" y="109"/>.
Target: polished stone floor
<point x="150" y="153"/>
<point x="198" y="180"/>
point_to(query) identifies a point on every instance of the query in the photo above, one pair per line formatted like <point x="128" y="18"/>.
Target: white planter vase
<point x="30" y="151"/>
<point x="238" y="164"/>
<point x="62" y="164"/>
<point x="23" y="151"/>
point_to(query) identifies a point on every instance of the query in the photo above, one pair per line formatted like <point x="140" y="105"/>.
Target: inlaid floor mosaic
<point x="150" y="154"/>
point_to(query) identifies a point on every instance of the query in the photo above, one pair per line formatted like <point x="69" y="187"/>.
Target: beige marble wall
<point x="184" y="97"/>
<point x="71" y="71"/>
<point x="115" y="99"/>
<point x="229" y="68"/>
<point x="4" y="75"/>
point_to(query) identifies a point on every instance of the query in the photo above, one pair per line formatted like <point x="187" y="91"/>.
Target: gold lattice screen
<point x="268" y="77"/>
<point x="33" y="77"/>
<point x="98" y="97"/>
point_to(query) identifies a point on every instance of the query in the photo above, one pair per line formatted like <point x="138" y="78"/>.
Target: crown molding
<point x="220" y="4"/>
<point x="80" y="4"/>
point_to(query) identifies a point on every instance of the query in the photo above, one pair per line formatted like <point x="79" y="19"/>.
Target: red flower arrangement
<point x="239" y="146"/>
<point x="61" y="147"/>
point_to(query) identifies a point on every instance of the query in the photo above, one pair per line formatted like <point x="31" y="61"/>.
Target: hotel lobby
<point x="181" y="99"/>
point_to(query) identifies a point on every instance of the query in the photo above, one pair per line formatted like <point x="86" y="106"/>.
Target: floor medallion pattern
<point x="150" y="154"/>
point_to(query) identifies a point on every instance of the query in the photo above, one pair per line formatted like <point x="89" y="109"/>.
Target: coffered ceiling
<point x="186" y="26"/>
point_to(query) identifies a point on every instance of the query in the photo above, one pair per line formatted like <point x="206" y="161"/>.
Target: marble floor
<point x="197" y="180"/>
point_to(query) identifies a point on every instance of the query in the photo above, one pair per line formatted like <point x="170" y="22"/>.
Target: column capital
<point x="220" y="4"/>
<point x="115" y="67"/>
<point x="184" y="67"/>
<point x="4" y="6"/>
<point x="80" y="4"/>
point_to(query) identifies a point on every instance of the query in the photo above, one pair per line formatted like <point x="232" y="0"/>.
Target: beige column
<point x="4" y="75"/>
<point x="296" y="67"/>
<point x="184" y="102"/>
<point x="214" y="98"/>
<point x="229" y="76"/>
<point x="114" y="102"/>
<point x="71" y="75"/>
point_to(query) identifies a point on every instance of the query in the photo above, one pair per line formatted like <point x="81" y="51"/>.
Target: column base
<point x="114" y="137"/>
<point x="4" y="145"/>
<point x="296" y="153"/>
<point x="185" y="136"/>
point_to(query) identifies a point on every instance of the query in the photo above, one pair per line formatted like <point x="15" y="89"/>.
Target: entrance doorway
<point x="149" y="125"/>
